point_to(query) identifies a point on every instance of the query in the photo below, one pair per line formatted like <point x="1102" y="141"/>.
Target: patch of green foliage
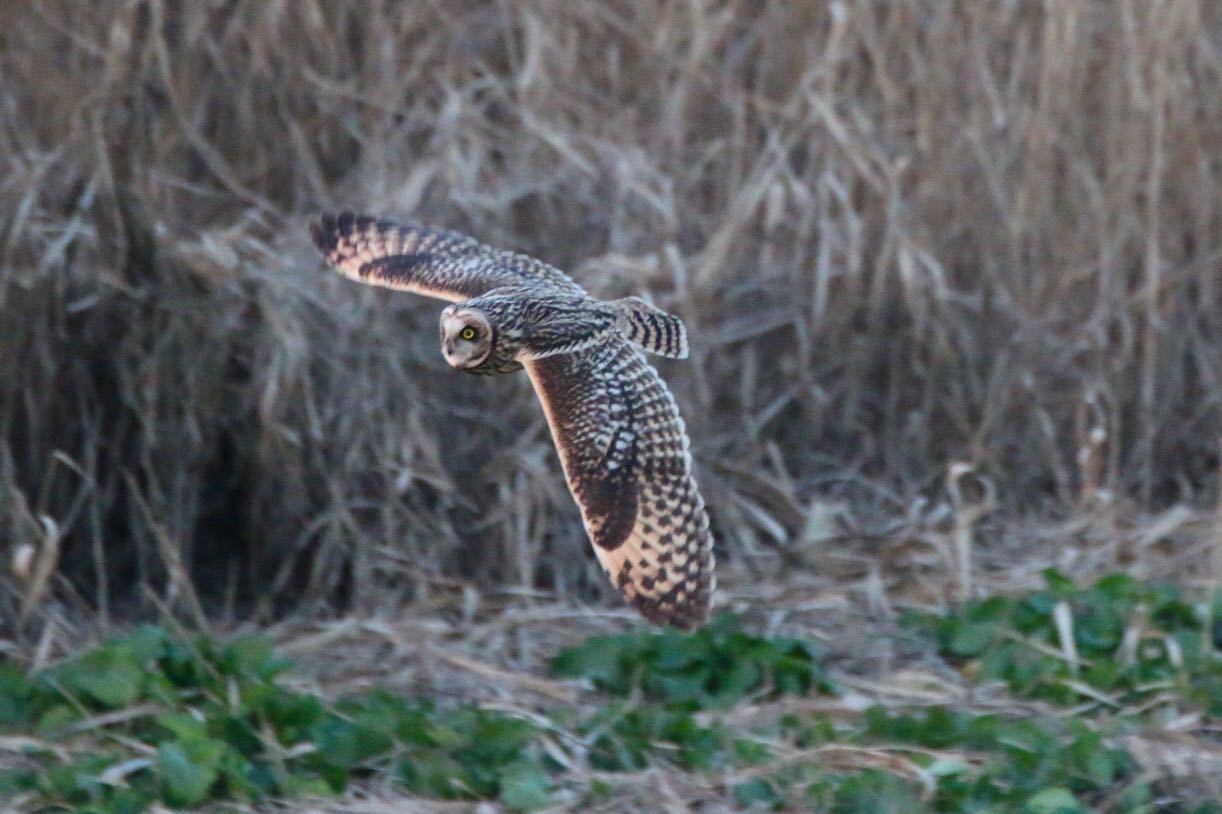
<point x="668" y="676"/>
<point x="626" y="738"/>
<point x="715" y="667"/>
<point x="194" y="720"/>
<point x="1036" y="765"/>
<point x="967" y="763"/>
<point x="1132" y="641"/>
<point x="155" y="718"/>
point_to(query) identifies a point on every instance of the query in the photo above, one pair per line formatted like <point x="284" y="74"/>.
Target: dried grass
<point x="907" y="237"/>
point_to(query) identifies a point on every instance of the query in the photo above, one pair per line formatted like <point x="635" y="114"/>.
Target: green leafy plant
<point x="1117" y="642"/>
<point x="715" y="667"/>
<point x="628" y="738"/>
<point x="1021" y="764"/>
<point x="198" y="720"/>
<point x="954" y="761"/>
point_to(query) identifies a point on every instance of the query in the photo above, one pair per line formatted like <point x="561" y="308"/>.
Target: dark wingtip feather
<point x="332" y="227"/>
<point x="326" y="231"/>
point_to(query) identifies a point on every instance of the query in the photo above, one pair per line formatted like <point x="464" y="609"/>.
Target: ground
<point x="849" y="701"/>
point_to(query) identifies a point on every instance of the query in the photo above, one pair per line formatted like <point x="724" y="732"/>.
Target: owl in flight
<point x="621" y="441"/>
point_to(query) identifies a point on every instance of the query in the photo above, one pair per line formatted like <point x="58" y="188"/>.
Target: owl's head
<point x="467" y="337"/>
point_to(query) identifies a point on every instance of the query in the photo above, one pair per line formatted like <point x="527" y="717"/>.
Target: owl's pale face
<point x="466" y="337"/>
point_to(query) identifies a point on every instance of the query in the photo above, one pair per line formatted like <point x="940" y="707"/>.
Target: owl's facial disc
<point x="466" y="337"/>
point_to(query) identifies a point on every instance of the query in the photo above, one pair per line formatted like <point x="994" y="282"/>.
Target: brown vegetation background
<point x="916" y="243"/>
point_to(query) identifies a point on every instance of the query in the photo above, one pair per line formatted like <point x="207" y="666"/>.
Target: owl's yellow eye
<point x="467" y="333"/>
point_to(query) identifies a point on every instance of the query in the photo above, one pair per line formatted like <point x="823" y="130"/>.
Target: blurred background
<point x="951" y="272"/>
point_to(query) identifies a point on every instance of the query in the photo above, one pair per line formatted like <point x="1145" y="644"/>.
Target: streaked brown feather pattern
<point x="625" y="455"/>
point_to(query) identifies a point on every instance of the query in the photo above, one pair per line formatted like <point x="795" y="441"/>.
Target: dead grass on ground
<point x="464" y="646"/>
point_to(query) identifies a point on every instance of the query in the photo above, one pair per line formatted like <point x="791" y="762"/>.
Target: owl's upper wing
<point x="425" y="260"/>
<point x="625" y="455"/>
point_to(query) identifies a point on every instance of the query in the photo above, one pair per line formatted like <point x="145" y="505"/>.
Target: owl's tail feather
<point x="651" y="328"/>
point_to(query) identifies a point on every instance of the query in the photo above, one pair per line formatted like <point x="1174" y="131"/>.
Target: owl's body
<point x="618" y="432"/>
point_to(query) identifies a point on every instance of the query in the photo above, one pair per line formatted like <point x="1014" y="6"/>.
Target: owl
<point x="620" y="438"/>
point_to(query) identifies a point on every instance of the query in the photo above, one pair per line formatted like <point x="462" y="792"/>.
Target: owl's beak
<point x="447" y="350"/>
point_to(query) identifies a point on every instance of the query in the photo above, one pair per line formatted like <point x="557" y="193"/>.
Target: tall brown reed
<point x="903" y="234"/>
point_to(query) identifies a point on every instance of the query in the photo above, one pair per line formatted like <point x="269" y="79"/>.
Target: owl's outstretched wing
<point x="425" y="260"/>
<point x="625" y="455"/>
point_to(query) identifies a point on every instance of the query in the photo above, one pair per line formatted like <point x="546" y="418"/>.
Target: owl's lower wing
<point x="625" y="455"/>
<point x="426" y="260"/>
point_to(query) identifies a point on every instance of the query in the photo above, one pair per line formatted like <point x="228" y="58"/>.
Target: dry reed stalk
<point x="903" y="234"/>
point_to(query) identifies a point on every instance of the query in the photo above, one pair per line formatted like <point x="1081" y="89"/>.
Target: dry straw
<point x="903" y="235"/>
